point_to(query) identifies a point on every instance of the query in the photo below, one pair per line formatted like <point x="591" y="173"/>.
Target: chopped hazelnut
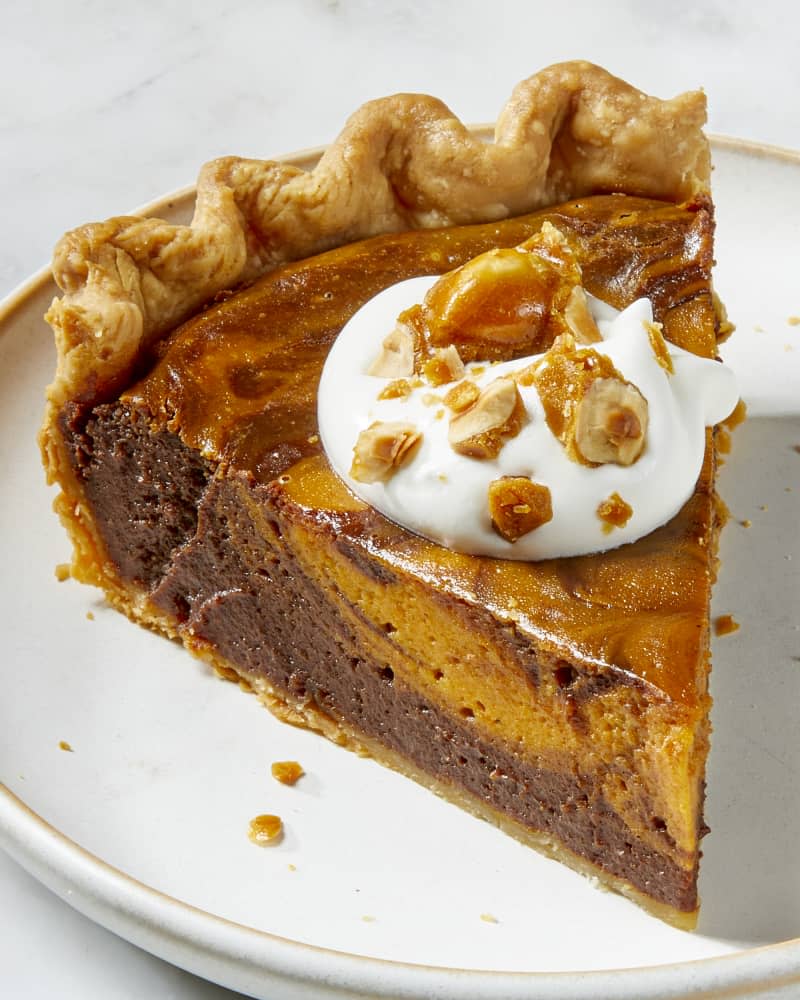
<point x="397" y="354"/>
<point x="517" y="506"/>
<point x="611" y="423"/>
<point x="444" y="365"/>
<point x="496" y="415"/>
<point x="461" y="396"/>
<point x="382" y="449"/>
<point x="579" y="319"/>
<point x="614" y="512"/>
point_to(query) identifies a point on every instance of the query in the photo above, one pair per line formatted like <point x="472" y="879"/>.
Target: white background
<point x="105" y="105"/>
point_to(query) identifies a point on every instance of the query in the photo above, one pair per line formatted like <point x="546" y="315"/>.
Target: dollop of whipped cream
<point x="442" y="494"/>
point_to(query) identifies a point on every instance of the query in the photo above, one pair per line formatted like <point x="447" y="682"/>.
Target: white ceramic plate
<point x="379" y="888"/>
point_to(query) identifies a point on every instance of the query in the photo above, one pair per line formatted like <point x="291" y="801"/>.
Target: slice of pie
<point x="563" y="699"/>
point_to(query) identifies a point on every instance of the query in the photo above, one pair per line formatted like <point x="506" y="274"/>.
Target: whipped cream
<point x="442" y="495"/>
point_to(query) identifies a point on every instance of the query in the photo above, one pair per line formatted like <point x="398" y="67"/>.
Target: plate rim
<point x="176" y="931"/>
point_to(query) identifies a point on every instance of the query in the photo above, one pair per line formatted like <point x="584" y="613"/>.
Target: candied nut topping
<point x="397" y="354"/>
<point x="382" y="449"/>
<point x="504" y="303"/>
<point x="611" y="423"/>
<point x="597" y="415"/>
<point x="579" y="319"/>
<point x="461" y="396"/>
<point x="517" y="506"/>
<point x="614" y="512"/>
<point x="288" y="772"/>
<point x="655" y="332"/>
<point x="265" y="829"/>
<point x="399" y="388"/>
<point x="496" y="415"/>
<point x="443" y="366"/>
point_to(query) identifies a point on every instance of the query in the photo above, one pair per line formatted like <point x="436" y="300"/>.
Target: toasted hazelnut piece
<point x="444" y="365"/>
<point x="611" y="423"/>
<point x="397" y="354"/>
<point x="517" y="506"/>
<point x="496" y="415"/>
<point x="579" y="319"/>
<point x="461" y="396"/>
<point x="614" y="512"/>
<point x="382" y="449"/>
<point x="656" y="334"/>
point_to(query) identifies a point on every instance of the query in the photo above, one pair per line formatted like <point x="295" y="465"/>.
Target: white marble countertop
<point x="105" y="105"/>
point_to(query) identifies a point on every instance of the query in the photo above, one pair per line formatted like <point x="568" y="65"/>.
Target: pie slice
<point x="565" y="699"/>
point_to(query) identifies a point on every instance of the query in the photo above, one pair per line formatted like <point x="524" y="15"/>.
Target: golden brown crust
<point x="401" y="162"/>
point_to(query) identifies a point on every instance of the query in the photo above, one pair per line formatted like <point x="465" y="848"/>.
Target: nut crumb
<point x="518" y="506"/>
<point x="579" y="319"/>
<point x="62" y="572"/>
<point x="443" y="366"/>
<point x="462" y="396"/>
<point x="265" y="829"/>
<point x="90" y="616"/>
<point x="314" y="439"/>
<point x="746" y="523"/>
<point x="399" y="388"/>
<point x="63" y="745"/>
<point x="489" y="918"/>
<point x="725" y="624"/>
<point x="288" y="772"/>
<point x="655" y="332"/>
<point x="291" y="867"/>
<point x="614" y="512"/>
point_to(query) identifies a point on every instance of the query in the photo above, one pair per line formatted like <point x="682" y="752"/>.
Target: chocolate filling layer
<point x="279" y="623"/>
<point x="214" y="572"/>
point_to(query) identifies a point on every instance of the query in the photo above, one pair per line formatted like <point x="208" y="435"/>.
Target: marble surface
<point x="105" y="105"/>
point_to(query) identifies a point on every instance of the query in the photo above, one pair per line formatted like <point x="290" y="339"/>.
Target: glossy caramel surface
<point x="239" y="383"/>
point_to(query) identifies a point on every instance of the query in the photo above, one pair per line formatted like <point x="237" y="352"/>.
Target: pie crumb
<point x="292" y="868"/>
<point x="725" y="624"/>
<point x="488" y="918"/>
<point x="746" y="523"/>
<point x="793" y="321"/>
<point x="368" y="918"/>
<point x="288" y="772"/>
<point x="265" y="829"/>
<point x="63" y="745"/>
<point x="90" y="616"/>
<point x="62" y="572"/>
